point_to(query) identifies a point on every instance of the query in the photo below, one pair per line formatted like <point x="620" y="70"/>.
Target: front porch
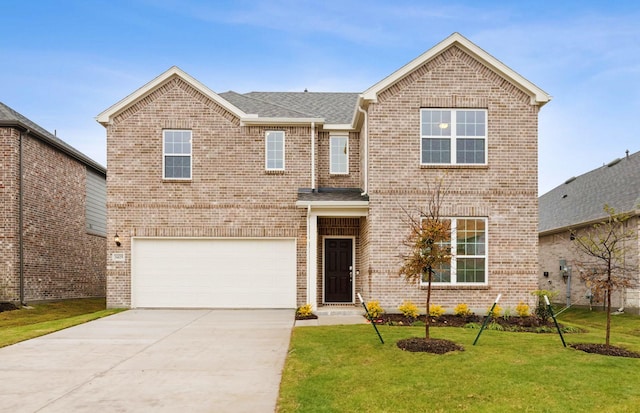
<point x="335" y="221"/>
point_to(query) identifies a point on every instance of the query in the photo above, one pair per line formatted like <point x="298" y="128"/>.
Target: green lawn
<point x="346" y="369"/>
<point x="45" y="318"/>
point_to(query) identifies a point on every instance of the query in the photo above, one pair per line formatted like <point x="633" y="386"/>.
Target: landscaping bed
<point x="528" y="324"/>
<point x="4" y="306"/>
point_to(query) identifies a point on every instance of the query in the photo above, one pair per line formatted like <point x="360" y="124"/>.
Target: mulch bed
<point x="306" y="317"/>
<point x="7" y="307"/>
<point x="605" y="350"/>
<point x="450" y="320"/>
<point x="432" y="345"/>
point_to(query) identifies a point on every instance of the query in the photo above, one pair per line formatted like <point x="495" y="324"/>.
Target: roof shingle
<point x="582" y="199"/>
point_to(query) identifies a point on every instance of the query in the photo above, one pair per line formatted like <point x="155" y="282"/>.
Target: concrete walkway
<point x="152" y="360"/>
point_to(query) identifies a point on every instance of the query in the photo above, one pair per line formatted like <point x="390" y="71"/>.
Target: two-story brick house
<point x="53" y="216"/>
<point x="276" y="199"/>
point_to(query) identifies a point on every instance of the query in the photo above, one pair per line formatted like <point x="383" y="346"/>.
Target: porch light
<point x="117" y="240"/>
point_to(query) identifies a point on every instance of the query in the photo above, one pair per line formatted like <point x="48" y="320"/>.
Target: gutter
<point x="313" y="156"/>
<point x="579" y="225"/>
<point x="365" y="129"/>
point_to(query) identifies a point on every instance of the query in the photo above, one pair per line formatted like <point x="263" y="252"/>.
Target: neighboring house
<point x="579" y="203"/>
<point x="53" y="216"/>
<point x="277" y="199"/>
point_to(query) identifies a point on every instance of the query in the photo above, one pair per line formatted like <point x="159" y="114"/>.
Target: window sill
<point x="337" y="175"/>
<point x="274" y="172"/>
<point x="450" y="166"/>
<point x="95" y="233"/>
<point x="177" y="181"/>
<point x="455" y="287"/>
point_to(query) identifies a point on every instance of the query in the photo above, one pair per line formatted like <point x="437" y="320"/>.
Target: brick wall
<point x="326" y="179"/>
<point x="9" y="255"/>
<point x="230" y="193"/>
<point x="504" y="191"/>
<point x="558" y="246"/>
<point x="61" y="260"/>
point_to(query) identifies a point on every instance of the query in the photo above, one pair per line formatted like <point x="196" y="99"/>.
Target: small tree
<point x="604" y="247"/>
<point x="428" y="243"/>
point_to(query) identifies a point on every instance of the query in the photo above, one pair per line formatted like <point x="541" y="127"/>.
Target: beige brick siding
<point x="558" y="246"/>
<point x="326" y="179"/>
<point x="504" y="191"/>
<point x="230" y="195"/>
<point x="61" y="260"/>
<point x="9" y="183"/>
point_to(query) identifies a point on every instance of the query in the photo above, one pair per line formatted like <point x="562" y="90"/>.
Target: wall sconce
<point x="117" y="240"/>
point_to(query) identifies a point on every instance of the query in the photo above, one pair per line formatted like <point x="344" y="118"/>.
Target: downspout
<point x="313" y="156"/>
<point x="365" y="129"/>
<point x="308" y="251"/>
<point x="20" y="216"/>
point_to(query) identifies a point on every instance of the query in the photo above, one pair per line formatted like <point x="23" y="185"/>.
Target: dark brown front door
<point x="338" y="270"/>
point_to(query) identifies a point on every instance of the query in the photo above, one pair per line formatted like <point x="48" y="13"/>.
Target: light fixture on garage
<point x="117" y="240"/>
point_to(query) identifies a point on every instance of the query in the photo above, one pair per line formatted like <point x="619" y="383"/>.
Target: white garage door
<point x="213" y="273"/>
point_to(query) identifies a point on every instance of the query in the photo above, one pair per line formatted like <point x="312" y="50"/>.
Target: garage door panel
<point x="216" y="273"/>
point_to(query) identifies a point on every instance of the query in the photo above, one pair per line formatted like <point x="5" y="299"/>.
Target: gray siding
<point x="96" y="205"/>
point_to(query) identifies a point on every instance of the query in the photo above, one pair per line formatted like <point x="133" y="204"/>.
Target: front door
<point x="338" y="270"/>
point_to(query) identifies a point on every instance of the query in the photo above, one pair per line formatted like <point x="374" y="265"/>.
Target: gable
<point x="457" y="46"/>
<point x="175" y="75"/>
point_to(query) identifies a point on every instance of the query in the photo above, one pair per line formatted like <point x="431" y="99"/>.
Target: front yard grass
<point x="346" y="369"/>
<point x="45" y="318"/>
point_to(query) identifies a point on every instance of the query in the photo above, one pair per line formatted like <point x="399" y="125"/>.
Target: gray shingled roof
<point x="332" y="194"/>
<point x="9" y="117"/>
<point x="335" y="108"/>
<point x="582" y="199"/>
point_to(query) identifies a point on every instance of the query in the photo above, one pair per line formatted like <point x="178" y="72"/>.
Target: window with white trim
<point x="339" y="154"/>
<point x="453" y="136"/>
<point x="468" y="263"/>
<point x="176" y="154"/>
<point x="274" y="151"/>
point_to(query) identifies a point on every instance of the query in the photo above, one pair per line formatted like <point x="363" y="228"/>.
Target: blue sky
<point x="66" y="61"/>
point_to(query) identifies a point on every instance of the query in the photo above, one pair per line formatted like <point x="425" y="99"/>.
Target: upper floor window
<point x="339" y="154"/>
<point x="176" y="154"/>
<point x="468" y="263"/>
<point x="274" y="151"/>
<point x="453" y="136"/>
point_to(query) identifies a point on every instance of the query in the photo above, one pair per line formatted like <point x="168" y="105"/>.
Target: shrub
<point x="409" y="309"/>
<point x="375" y="310"/>
<point x="462" y="310"/>
<point x="542" y="311"/>
<point x="523" y="310"/>
<point x="436" y="310"/>
<point x="304" y="311"/>
<point x="497" y="311"/>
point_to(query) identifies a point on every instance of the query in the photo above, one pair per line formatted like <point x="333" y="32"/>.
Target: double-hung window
<point x="468" y="263"/>
<point x="339" y="149"/>
<point x="176" y="157"/>
<point x="453" y="136"/>
<point x="274" y="151"/>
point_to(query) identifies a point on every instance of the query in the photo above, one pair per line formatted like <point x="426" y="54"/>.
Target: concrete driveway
<point x="151" y="360"/>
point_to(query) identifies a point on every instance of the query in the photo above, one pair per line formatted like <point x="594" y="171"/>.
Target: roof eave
<point x="249" y="120"/>
<point x="551" y="231"/>
<point x="70" y="151"/>
<point x="105" y="116"/>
